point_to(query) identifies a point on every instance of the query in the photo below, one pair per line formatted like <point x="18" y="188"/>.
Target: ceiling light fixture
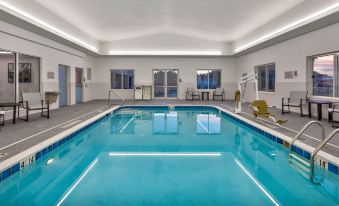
<point x="287" y="27"/>
<point x="166" y="53"/>
<point x="48" y="26"/>
<point x="5" y="52"/>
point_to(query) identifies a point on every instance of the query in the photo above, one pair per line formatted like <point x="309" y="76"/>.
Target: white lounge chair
<point x="33" y="101"/>
<point x="296" y="99"/>
<point x="192" y="94"/>
<point x="2" y="118"/>
<point x="219" y="92"/>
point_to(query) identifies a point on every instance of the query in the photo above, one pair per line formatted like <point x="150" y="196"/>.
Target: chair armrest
<point x="285" y="98"/>
<point x="23" y="104"/>
<point x="44" y="101"/>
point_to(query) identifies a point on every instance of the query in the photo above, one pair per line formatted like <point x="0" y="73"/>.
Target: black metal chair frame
<point x="331" y="113"/>
<point x="193" y="95"/>
<point x="25" y="105"/>
<point x="222" y="95"/>
<point x="287" y="104"/>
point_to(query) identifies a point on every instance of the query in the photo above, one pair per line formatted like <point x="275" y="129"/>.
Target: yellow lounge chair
<point x="259" y="108"/>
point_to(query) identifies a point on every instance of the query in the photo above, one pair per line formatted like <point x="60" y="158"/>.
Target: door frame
<point x="165" y="84"/>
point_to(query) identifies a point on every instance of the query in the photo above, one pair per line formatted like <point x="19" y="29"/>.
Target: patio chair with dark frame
<point x="33" y="101"/>
<point x="219" y="92"/>
<point x="2" y="117"/>
<point x="192" y="94"/>
<point x="296" y="99"/>
<point x="331" y="111"/>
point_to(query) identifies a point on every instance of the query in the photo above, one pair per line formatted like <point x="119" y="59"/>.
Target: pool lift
<point x="243" y="82"/>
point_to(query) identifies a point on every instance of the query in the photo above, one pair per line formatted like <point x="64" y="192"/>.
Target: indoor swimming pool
<point x="167" y="156"/>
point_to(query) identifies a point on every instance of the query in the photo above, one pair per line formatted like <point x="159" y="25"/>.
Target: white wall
<point x="290" y="55"/>
<point x="51" y="53"/>
<point x="143" y="67"/>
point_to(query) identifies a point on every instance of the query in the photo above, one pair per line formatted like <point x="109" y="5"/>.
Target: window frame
<point x="208" y="78"/>
<point x="310" y="75"/>
<point x="121" y="71"/>
<point x="267" y="66"/>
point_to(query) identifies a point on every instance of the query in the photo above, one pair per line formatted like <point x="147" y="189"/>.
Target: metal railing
<point x="314" y="153"/>
<point x="303" y="130"/>
<point x="109" y="98"/>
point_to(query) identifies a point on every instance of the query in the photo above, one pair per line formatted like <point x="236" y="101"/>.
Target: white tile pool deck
<point x="16" y="138"/>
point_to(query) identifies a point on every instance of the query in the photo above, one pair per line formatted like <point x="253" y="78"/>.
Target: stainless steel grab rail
<point x="109" y="97"/>
<point x="314" y="153"/>
<point x="303" y="130"/>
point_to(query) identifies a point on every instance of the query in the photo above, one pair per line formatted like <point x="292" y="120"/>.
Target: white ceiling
<point x="219" y="20"/>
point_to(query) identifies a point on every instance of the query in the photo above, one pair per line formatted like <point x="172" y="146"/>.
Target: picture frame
<point x="25" y="72"/>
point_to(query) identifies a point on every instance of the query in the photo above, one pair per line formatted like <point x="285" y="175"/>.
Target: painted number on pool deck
<point x="27" y="161"/>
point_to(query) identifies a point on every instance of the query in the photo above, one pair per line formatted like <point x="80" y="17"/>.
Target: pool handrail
<point x="109" y="97"/>
<point x="320" y="146"/>
<point x="303" y="130"/>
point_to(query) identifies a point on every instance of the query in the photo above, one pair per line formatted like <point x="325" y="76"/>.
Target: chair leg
<point x="27" y="111"/>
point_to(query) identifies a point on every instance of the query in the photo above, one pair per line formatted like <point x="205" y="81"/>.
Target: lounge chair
<point x="33" y="101"/>
<point x="192" y="94"/>
<point x="331" y="112"/>
<point x="260" y="109"/>
<point x="2" y="118"/>
<point x="219" y="92"/>
<point x="296" y="99"/>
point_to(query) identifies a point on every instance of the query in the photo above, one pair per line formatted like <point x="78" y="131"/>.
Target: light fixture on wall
<point x="287" y="27"/>
<point x="165" y="53"/>
<point x="47" y="26"/>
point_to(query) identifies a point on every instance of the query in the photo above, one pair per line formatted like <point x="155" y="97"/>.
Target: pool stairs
<point x="298" y="161"/>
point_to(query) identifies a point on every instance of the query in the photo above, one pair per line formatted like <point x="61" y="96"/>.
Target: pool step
<point x="300" y="164"/>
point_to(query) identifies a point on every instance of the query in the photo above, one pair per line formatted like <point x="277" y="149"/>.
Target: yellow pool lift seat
<point x="260" y="109"/>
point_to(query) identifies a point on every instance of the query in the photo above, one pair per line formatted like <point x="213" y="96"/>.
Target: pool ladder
<point x="309" y="165"/>
<point x="109" y="98"/>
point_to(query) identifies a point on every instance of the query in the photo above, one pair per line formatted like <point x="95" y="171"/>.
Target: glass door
<point x="159" y="83"/>
<point x="172" y="84"/>
<point x="165" y="83"/>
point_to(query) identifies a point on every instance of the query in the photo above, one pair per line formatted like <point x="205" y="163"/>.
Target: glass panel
<point x="271" y="77"/>
<point x="262" y="78"/>
<point x="29" y="74"/>
<point x="172" y="78"/>
<point x="128" y="79"/>
<point x="7" y="76"/>
<point x="214" y="79"/>
<point x="78" y="77"/>
<point x="323" y="75"/>
<point x="202" y="79"/>
<point x="172" y="91"/>
<point x="159" y="78"/>
<point x="159" y="91"/>
<point x="116" y="79"/>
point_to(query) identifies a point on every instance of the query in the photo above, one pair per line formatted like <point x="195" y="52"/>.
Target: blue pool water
<point x="162" y="157"/>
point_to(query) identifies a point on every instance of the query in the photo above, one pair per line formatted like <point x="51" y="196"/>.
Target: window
<point x="266" y="77"/>
<point x="122" y="79"/>
<point x="324" y="69"/>
<point x="208" y="79"/>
